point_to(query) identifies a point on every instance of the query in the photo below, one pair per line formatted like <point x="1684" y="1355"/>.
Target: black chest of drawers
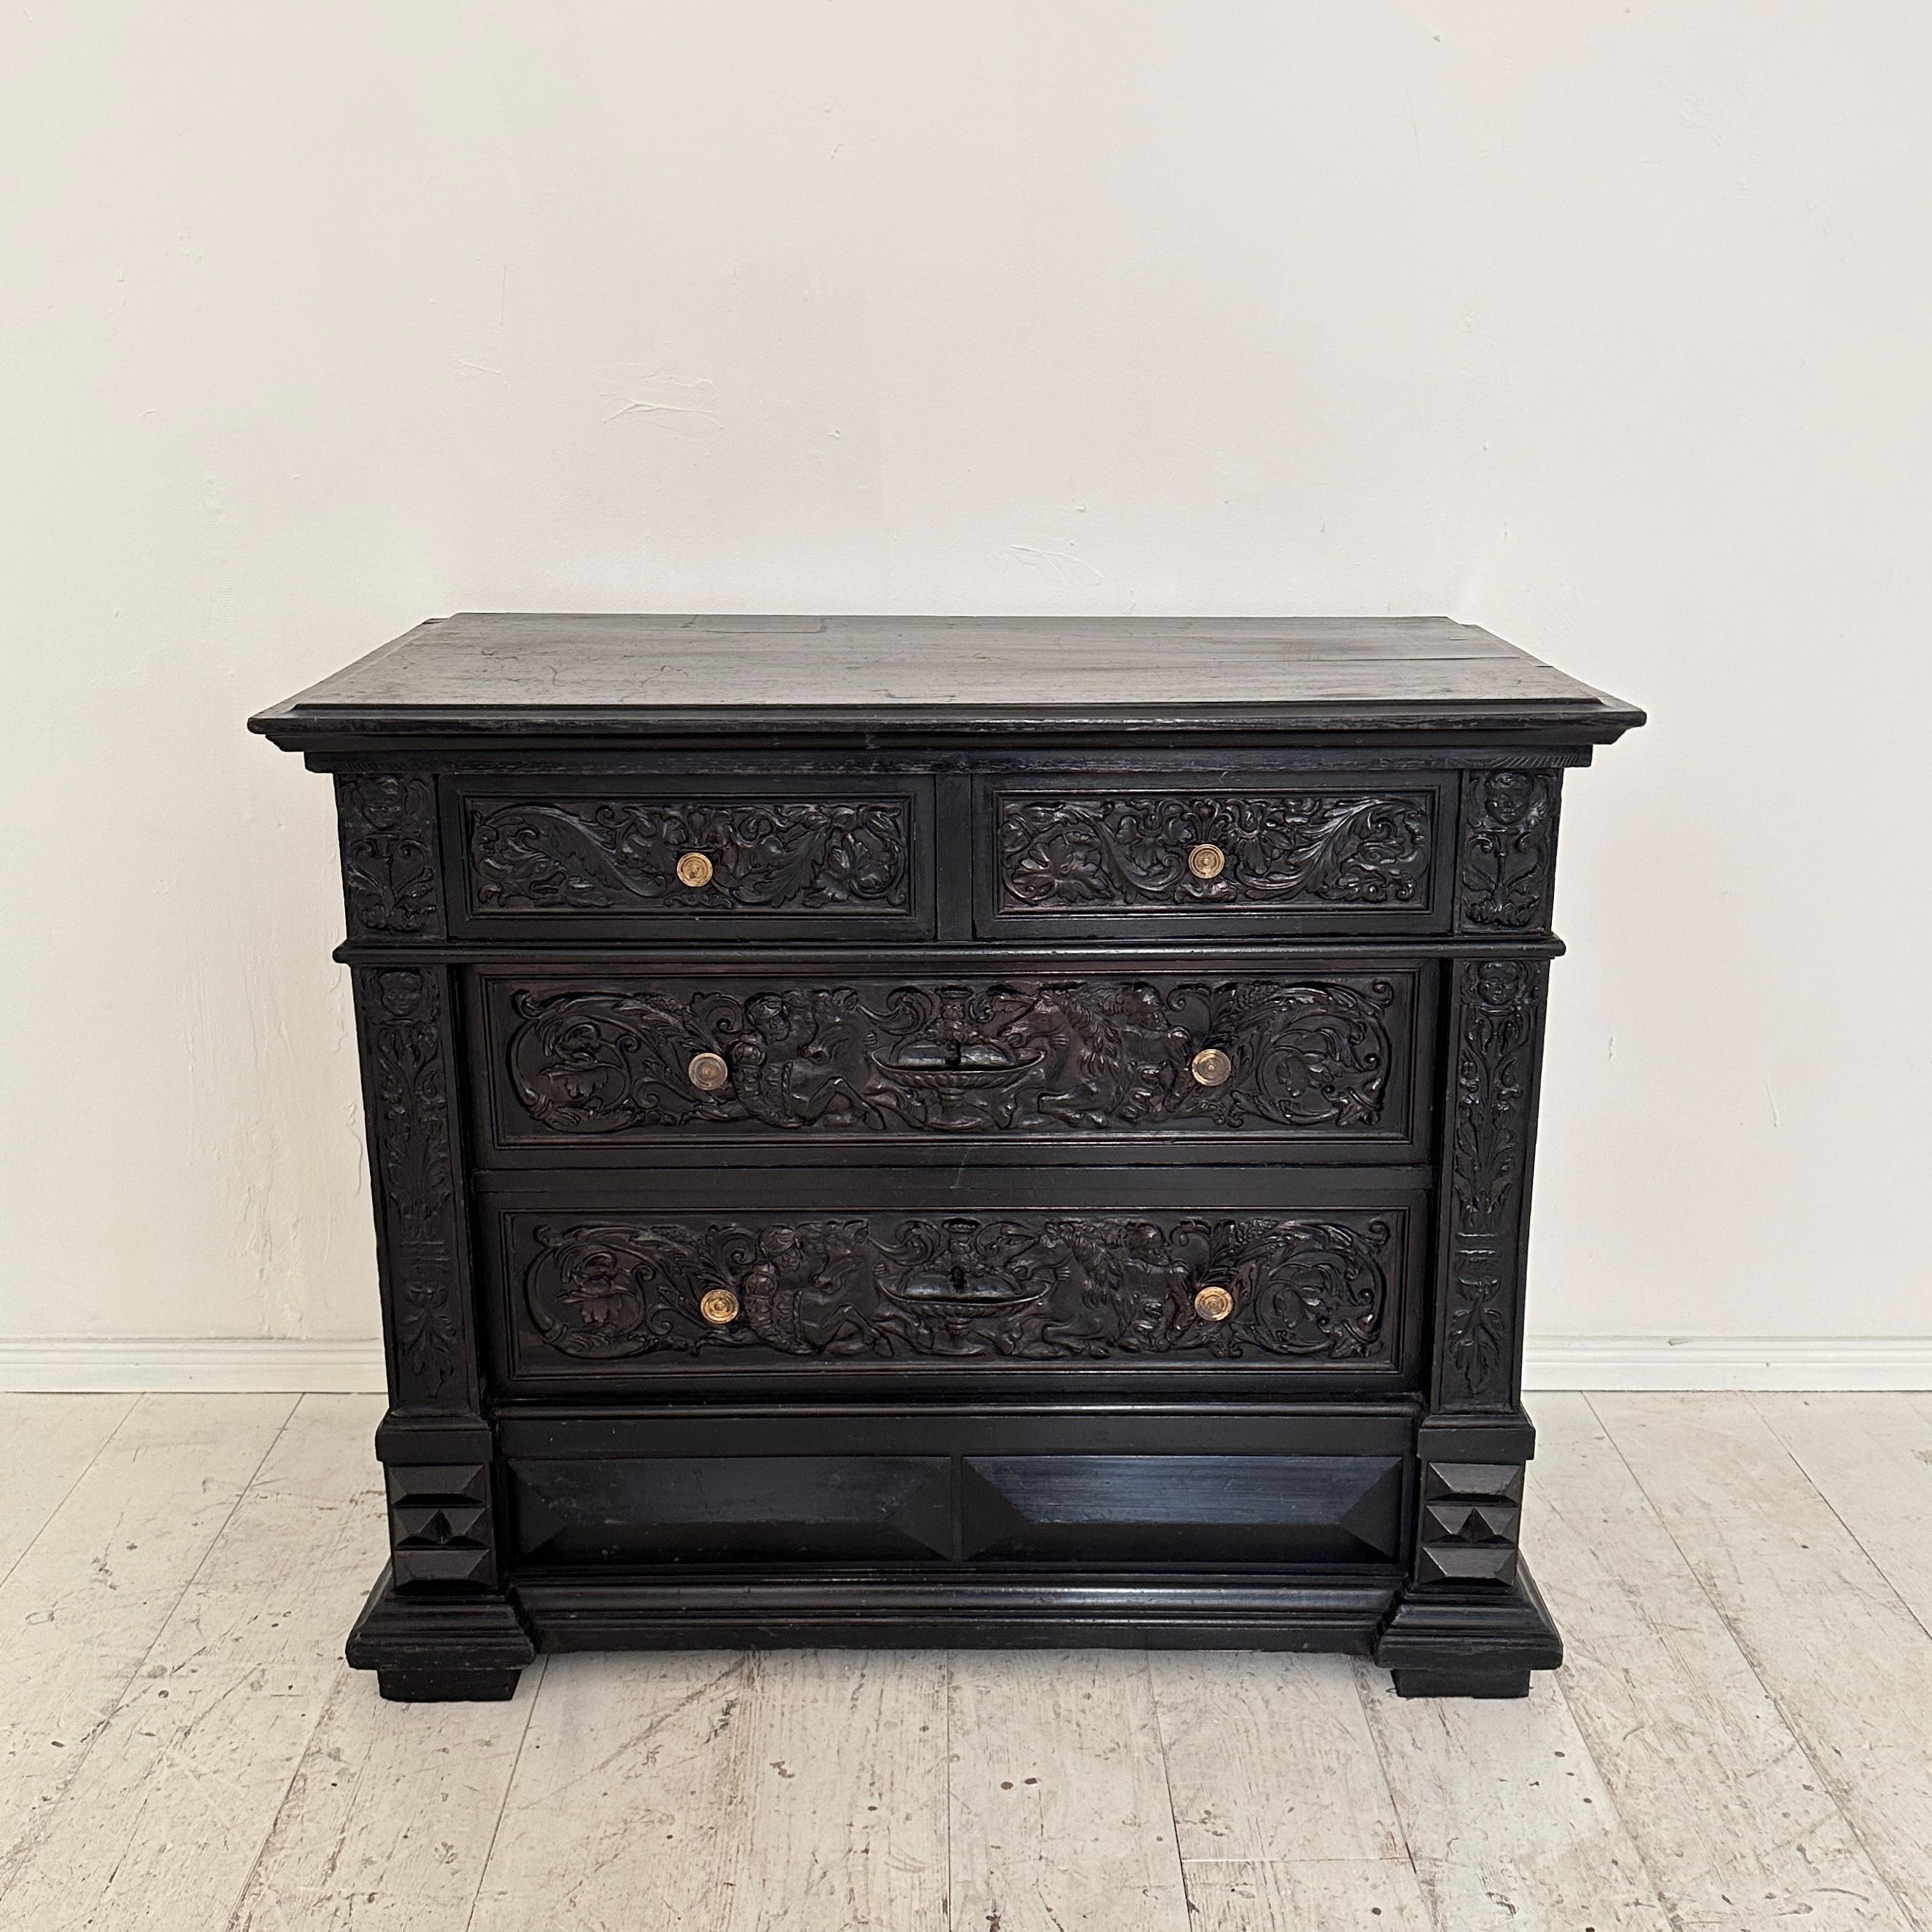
<point x="951" y="1131"/>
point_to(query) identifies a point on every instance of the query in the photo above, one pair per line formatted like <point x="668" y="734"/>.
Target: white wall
<point x="1603" y="325"/>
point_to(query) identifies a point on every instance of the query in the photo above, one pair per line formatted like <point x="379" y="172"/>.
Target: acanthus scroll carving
<point x="592" y="855"/>
<point x="403" y="1022"/>
<point x="1497" y="1005"/>
<point x="1333" y="848"/>
<point x="1055" y="1287"/>
<point x="1025" y="1055"/>
<point x="1508" y="861"/>
<point x="390" y="883"/>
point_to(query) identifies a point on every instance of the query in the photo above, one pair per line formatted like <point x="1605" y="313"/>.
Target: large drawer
<point x="1306" y="1063"/>
<point x="614" y="1288"/>
<point x="985" y="1488"/>
<point x="698" y="857"/>
<point x="1188" y="857"/>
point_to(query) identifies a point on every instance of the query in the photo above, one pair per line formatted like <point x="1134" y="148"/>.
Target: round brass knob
<point x="1214" y="1304"/>
<point x="718" y="1307"/>
<point x="693" y="869"/>
<point x="708" y="1071"/>
<point x="1210" y="1067"/>
<point x="1207" y="862"/>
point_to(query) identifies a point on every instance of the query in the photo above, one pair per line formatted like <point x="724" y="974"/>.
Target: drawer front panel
<point x="1270" y="857"/>
<point x="1323" y="1064"/>
<point x="1128" y="1509"/>
<point x="586" y="1299"/>
<point x="594" y="860"/>
<point x="723" y="1508"/>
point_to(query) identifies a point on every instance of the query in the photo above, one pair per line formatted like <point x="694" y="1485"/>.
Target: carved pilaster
<point x="1496" y="1041"/>
<point x="1506" y="865"/>
<point x="391" y="876"/>
<point x="402" y="1015"/>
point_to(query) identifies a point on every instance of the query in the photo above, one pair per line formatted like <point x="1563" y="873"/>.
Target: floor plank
<point x="1305" y="1895"/>
<point x="794" y="1791"/>
<point x="624" y="1810"/>
<point x="390" y="1814"/>
<point x="1742" y="1580"/>
<point x="162" y="1823"/>
<point x="86" y="1601"/>
<point x="1505" y="1816"/>
<point x="1734" y="1824"/>
<point x="1870" y="1458"/>
<point x="1060" y="1816"/>
<point x="1850" y="1667"/>
<point x="1269" y="1757"/>
<point x="47" y="1443"/>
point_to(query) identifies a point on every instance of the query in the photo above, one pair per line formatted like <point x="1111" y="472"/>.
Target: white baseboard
<point x="1728" y="1362"/>
<point x="219" y="1366"/>
<point x="1557" y="1362"/>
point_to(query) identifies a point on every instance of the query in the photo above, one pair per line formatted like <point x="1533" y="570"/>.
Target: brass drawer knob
<point x="693" y="869"/>
<point x="718" y="1307"/>
<point x="1210" y="1067"/>
<point x="1214" y="1304"/>
<point x="708" y="1071"/>
<point x="1207" y="862"/>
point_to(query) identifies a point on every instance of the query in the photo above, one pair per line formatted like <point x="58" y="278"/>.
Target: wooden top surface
<point x="598" y="675"/>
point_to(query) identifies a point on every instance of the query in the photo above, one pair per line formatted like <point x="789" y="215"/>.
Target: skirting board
<point x="1557" y="1362"/>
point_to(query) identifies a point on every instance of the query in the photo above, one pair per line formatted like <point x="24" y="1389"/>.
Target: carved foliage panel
<point x="1506" y="869"/>
<point x="1319" y="848"/>
<point x="1023" y="1055"/>
<point x="1496" y="1041"/>
<point x="1026" y="1287"/>
<point x="615" y="855"/>
<point x="392" y="882"/>
<point x="403" y="1014"/>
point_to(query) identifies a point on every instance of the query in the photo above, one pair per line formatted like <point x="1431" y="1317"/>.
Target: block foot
<point x="433" y="1686"/>
<point x="439" y="1646"/>
<point x="1457" y="1683"/>
<point x="1481" y="1640"/>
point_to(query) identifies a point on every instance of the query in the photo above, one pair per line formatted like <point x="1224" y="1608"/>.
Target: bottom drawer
<point x="597" y="1287"/>
<point x="762" y="1509"/>
<point x="982" y="1489"/>
<point x="1134" y="1509"/>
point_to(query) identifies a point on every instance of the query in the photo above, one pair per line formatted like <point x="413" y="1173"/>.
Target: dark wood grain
<point x="484" y="672"/>
<point x="890" y="1328"/>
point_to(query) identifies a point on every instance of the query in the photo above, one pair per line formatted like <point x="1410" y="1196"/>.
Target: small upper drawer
<point x="693" y="858"/>
<point x="1183" y="856"/>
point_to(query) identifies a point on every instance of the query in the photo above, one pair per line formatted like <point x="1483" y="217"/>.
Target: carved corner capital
<point x="1506" y="867"/>
<point x="391" y="862"/>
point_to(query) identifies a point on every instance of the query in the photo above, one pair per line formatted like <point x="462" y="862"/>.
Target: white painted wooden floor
<point x="1742" y="1740"/>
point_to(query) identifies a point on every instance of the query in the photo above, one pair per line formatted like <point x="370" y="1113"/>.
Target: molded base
<point x="440" y="1645"/>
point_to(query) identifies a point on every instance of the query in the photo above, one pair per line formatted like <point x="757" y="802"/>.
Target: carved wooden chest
<point x="950" y="1131"/>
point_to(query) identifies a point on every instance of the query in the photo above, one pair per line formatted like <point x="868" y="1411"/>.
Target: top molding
<point x="612" y="680"/>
